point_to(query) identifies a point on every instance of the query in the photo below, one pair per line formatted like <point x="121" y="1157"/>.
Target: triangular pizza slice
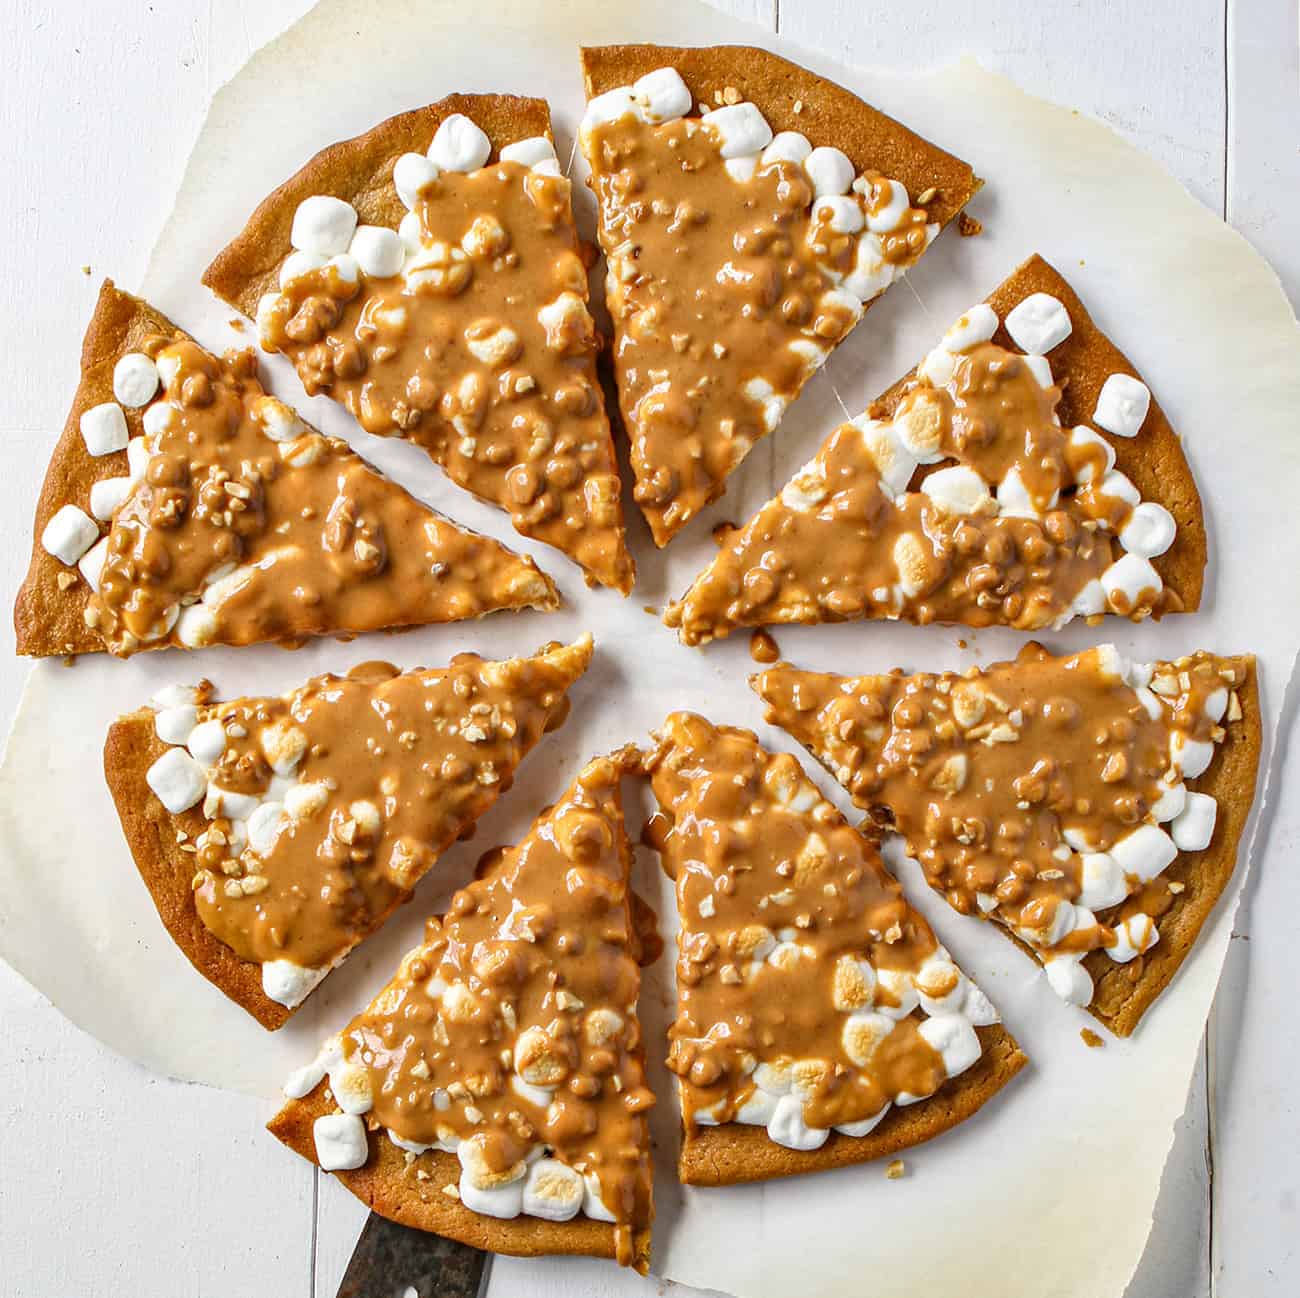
<point x="819" y="1020"/>
<point x="495" y="1092"/>
<point x="750" y="211"/>
<point x="1021" y="476"/>
<point x="428" y="276"/>
<point x="1090" y="804"/>
<point x="185" y="506"/>
<point x="276" y="833"/>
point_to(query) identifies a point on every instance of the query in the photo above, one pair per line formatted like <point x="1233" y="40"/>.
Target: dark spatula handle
<point x="393" y="1261"/>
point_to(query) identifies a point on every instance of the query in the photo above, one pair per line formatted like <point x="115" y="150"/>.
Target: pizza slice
<point x="275" y="834"/>
<point x="1091" y="805"/>
<point x="185" y="506"/>
<point x="1021" y="476"/>
<point x="494" y="1092"/>
<point x="750" y="211"/>
<point x="819" y="1020"/>
<point x="428" y="276"/>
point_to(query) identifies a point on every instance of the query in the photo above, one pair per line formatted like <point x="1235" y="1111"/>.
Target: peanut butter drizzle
<point x="309" y="538"/>
<point x="710" y="282"/>
<point x="395" y="766"/>
<point x="483" y="353"/>
<point x="844" y="547"/>
<point x="532" y="973"/>
<point x="985" y="774"/>
<point x="757" y="855"/>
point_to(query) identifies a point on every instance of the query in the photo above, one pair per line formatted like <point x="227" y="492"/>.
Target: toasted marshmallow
<point x="135" y="380"/>
<point x="290" y="984"/>
<point x="1122" y="405"/>
<point x="340" y="1140"/>
<point x="663" y="95"/>
<point x="377" y="250"/>
<point x="830" y="171"/>
<point x="552" y="1191"/>
<point x="742" y="129"/>
<point x="1143" y="852"/>
<point x="1150" y="530"/>
<point x="958" y="490"/>
<point x="106" y="495"/>
<point x="1038" y="324"/>
<point x="413" y="173"/>
<point x="1102" y="881"/>
<point x="323" y="224"/>
<point x="1193" y="827"/>
<point x="459" y="145"/>
<point x="103" y="428"/>
<point x="305" y="800"/>
<point x="178" y="780"/>
<point x="350" y="1084"/>
<point x="940" y="984"/>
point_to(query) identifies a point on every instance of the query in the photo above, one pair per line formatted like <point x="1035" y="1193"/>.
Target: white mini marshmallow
<point x="1069" y="979"/>
<point x="298" y="264"/>
<point x="741" y="170"/>
<point x="663" y="94"/>
<point x="1102" y="881"/>
<point x="157" y="420"/>
<point x="345" y="266"/>
<point x="978" y="1010"/>
<point x="842" y="214"/>
<point x="894" y="462"/>
<point x="893" y="985"/>
<point x="350" y="1084"/>
<point x="207" y="742"/>
<point x="303" y="1081"/>
<point x="323" y="224"/>
<point x="104" y="429"/>
<point x="742" y="128"/>
<point x="1150" y="530"/>
<point x="955" y="1040"/>
<point x="410" y="232"/>
<point x="863" y="1126"/>
<point x="1090" y="601"/>
<point x="1041" y="368"/>
<point x="1119" y="486"/>
<point x="757" y="1111"/>
<point x="958" y="490"/>
<point x="1014" y="500"/>
<point x="552" y="1191"/>
<point x="502" y="1201"/>
<point x="1130" y="577"/>
<point x="377" y="250"/>
<point x="264" y="825"/>
<point x="1193" y="827"/>
<point x="340" y="1140"/>
<point x="171" y="696"/>
<point x="889" y="214"/>
<point x="459" y="145"/>
<point x="593" y="1205"/>
<point x="1216" y="704"/>
<point x="1149" y="701"/>
<point x="612" y="106"/>
<point x="226" y="802"/>
<point x="871" y="274"/>
<point x="529" y="152"/>
<point x="788" y="1127"/>
<point x="1190" y="756"/>
<point x="786" y="146"/>
<point x="177" y="779"/>
<point x="1082" y="436"/>
<point x="1133" y="936"/>
<point x="289" y="984"/>
<point x="830" y="171"/>
<point x="197" y="626"/>
<point x="1038" y="324"/>
<point x="278" y="421"/>
<point x="412" y="174"/>
<point x="1122" y="405"/>
<point x="91" y="564"/>
<point x="940" y="984"/>
<point x="106" y="495"/>
<point x="69" y="534"/>
<point x="1144" y="852"/>
<point x="978" y="325"/>
<point x="175" y="724"/>
<point x="1170" y="803"/>
<point x="135" y="380"/>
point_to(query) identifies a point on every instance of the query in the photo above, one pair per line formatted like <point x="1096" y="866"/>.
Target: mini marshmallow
<point x="1190" y="756"/>
<point x="226" y="802"/>
<point x="1119" y="486"/>
<point x="106" y="495"/>
<point x="958" y="490"/>
<point x="894" y="462"/>
<point x="502" y="1201"/>
<point x="1149" y="701"/>
<point x="1170" y="803"/>
<point x="955" y="1040"/>
<point x="1082" y="436"/>
<point x="893" y="985"/>
<point x="1216" y="704"/>
<point x="977" y="1009"/>
<point x="169" y="364"/>
<point x="841" y="214"/>
<point x="157" y="420"/>
<point x="863" y="1126"/>
<point x="290" y="984"/>
<point x="1133" y="936"/>
<point x="91" y="564"/>
<point x="350" y="1084"/>
<point x="177" y="779"/>
<point x="377" y="250"/>
<point x="171" y="696"/>
<point x="459" y="145"/>
<point x="788" y="1127"/>
<point x="340" y="1140"/>
<point x="1069" y="979"/>
<point x="264" y="825"/>
<point x="278" y="421"/>
<point x="757" y="1111"/>
<point x="1091" y="600"/>
<point x="1038" y="324"/>
<point x="103" y="428"/>
<point x="887" y="217"/>
<point x="830" y="171"/>
<point x="298" y="264"/>
<point x="303" y="801"/>
<point x="664" y="96"/>
<point x="978" y="325"/>
<point x="1122" y="405"/>
<point x="1193" y="827"/>
<point x="1041" y="368"/>
<point x="871" y="274"/>
<point x="303" y="1081"/>
<point x="611" y="107"/>
<point x="529" y="152"/>
<point x="410" y="232"/>
<point x="175" y="724"/>
<point x="322" y="224"/>
<point x="135" y="380"/>
<point x="1102" y="881"/>
<point x="742" y="128"/>
<point x="1150" y="530"/>
<point x="786" y="146"/>
<point x="552" y="1191"/>
<point x="1130" y="577"/>
<point x="1144" y="852"/>
<point x="345" y="266"/>
<point x="412" y="174"/>
<point x="207" y="742"/>
<point x="593" y="1205"/>
<point x="940" y="984"/>
<point x="1014" y="500"/>
<point x="69" y="533"/>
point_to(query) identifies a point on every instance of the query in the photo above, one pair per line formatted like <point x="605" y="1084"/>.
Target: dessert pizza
<point x="494" y="1092"/>
<point x="750" y="211"/>
<point x="1090" y="804"/>
<point x="185" y="506"/>
<point x="819" y="1020"/>
<point x="1022" y="475"/>
<point x="428" y="276"/>
<point x="275" y="834"/>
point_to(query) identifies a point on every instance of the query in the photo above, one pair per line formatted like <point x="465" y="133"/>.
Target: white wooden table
<point x="114" y="1181"/>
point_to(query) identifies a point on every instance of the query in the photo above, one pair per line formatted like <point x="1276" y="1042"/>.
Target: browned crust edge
<point x="828" y="114"/>
<point x="737" y="1152"/>
<point x="47" y="620"/>
<point x="388" y="1186"/>
<point x="360" y="171"/>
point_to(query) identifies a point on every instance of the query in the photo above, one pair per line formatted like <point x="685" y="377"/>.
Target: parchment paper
<point x="1049" y="1190"/>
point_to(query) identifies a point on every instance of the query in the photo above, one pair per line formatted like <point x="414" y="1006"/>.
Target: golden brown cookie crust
<point x="388" y="1185"/>
<point x="48" y="620"/>
<point x="737" y="1152"/>
<point x="828" y="113"/>
<point x="359" y="170"/>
